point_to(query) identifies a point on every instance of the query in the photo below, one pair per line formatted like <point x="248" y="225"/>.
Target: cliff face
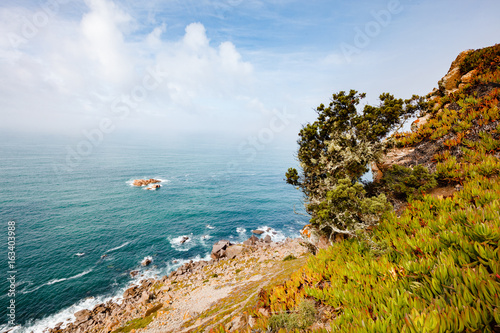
<point x="433" y="266"/>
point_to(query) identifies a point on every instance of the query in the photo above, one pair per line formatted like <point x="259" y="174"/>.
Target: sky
<point x="250" y="71"/>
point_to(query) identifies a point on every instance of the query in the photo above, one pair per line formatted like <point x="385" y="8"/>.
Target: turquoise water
<point x="80" y="232"/>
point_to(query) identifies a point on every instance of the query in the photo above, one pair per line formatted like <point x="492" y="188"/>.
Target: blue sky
<point x="227" y="68"/>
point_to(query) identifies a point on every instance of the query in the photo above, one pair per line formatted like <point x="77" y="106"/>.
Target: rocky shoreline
<point x="178" y="302"/>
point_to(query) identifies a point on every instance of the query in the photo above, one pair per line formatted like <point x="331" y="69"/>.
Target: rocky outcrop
<point x="419" y="122"/>
<point x="251" y="241"/>
<point x="234" y="251"/>
<point x="257" y="232"/>
<point x="145" y="182"/>
<point x="219" y="249"/>
<point x="175" y="302"/>
<point x="153" y="187"/>
<point x="450" y="82"/>
<point x="315" y="241"/>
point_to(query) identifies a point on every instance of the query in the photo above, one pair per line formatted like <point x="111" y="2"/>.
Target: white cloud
<point x="103" y="39"/>
<point x="66" y="76"/>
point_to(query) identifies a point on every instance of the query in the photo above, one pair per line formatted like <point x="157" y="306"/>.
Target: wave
<point x="67" y="315"/>
<point x="54" y="281"/>
<point x="80" y="254"/>
<point x="146" y="259"/>
<point x="182" y="243"/>
<point x="276" y="235"/>
<point x="118" y="247"/>
<point x="241" y="230"/>
<point x="176" y="263"/>
<point x="210" y="227"/>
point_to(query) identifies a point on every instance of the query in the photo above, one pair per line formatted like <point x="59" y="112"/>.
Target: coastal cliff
<point x="199" y="295"/>
<point x="428" y="264"/>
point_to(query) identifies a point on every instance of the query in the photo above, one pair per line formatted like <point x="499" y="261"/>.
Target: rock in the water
<point x="146" y="261"/>
<point x="144" y="182"/>
<point x="184" y="239"/>
<point x="154" y="187"/>
<point x="257" y="232"/>
<point x="134" y="273"/>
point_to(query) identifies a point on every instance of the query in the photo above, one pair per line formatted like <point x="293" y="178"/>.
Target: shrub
<point x="300" y="319"/>
<point x="346" y="210"/>
<point x="289" y="257"/>
<point x="409" y="183"/>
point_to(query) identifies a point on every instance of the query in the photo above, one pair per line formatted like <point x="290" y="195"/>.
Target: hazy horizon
<point x="217" y="70"/>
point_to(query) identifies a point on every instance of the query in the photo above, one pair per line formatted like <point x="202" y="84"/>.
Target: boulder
<point x="451" y="80"/>
<point x="83" y="315"/>
<point x="257" y="232"/>
<point x="267" y="239"/>
<point x="131" y="292"/>
<point x="145" y="297"/>
<point x="419" y="122"/>
<point x="233" y="251"/>
<point x="154" y="187"/>
<point x="184" y="239"/>
<point x="134" y="273"/>
<point x="99" y="309"/>
<point x="251" y="241"/>
<point x="219" y="249"/>
<point x="467" y="78"/>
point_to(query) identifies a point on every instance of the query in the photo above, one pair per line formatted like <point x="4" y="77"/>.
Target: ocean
<point x="81" y="227"/>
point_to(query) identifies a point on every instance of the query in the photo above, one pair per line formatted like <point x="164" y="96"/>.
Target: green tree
<point x="339" y="145"/>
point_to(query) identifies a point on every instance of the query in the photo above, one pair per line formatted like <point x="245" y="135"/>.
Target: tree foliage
<point x="409" y="183"/>
<point x="336" y="150"/>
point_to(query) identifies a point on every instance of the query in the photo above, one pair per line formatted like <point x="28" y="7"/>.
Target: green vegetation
<point x="289" y="257"/>
<point x="436" y="267"/>
<point x="482" y="60"/>
<point x="409" y="183"/>
<point x="139" y="322"/>
<point x="334" y="152"/>
<point x="300" y="319"/>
